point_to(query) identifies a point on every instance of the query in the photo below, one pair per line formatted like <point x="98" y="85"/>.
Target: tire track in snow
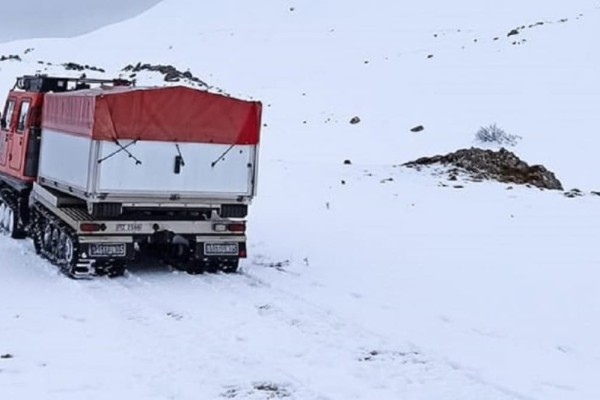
<point x="213" y="333"/>
<point x="341" y="341"/>
<point x="147" y="300"/>
<point x="372" y="344"/>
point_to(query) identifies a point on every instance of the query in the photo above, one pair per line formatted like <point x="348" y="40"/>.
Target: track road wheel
<point x="67" y="256"/>
<point x="37" y="233"/>
<point x="66" y="250"/>
<point x="47" y="244"/>
<point x="54" y="245"/>
<point x="9" y="222"/>
<point x="3" y="212"/>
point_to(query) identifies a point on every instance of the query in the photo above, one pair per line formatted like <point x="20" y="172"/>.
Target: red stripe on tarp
<point x="174" y="114"/>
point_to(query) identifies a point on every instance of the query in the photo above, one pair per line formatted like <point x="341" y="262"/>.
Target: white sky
<point x="59" y="18"/>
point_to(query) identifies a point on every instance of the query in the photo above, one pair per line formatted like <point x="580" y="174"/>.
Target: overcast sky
<point x="63" y="18"/>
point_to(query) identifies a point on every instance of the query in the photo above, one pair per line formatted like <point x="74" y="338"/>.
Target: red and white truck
<point x="100" y="172"/>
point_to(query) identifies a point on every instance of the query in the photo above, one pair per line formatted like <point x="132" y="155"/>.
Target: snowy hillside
<point x="366" y="280"/>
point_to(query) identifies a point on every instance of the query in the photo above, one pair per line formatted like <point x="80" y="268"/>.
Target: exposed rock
<point x="418" y="128"/>
<point x="71" y="66"/>
<point x="513" y="32"/>
<point x="171" y="74"/>
<point x="502" y="165"/>
<point x="14" y="57"/>
<point x="347" y="162"/>
<point x="264" y="390"/>
<point x="573" y="193"/>
<point x="355" y="120"/>
<point x="172" y="77"/>
<point x="272" y="390"/>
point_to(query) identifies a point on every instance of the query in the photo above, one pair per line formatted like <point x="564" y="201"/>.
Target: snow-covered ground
<point x="368" y="280"/>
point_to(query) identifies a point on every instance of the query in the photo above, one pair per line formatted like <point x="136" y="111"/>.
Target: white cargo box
<point x="150" y="145"/>
<point x="145" y="171"/>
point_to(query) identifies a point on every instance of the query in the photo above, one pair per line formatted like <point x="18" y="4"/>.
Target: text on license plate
<point x="221" y="249"/>
<point x="108" y="250"/>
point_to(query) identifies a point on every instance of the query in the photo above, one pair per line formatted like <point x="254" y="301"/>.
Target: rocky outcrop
<point x="72" y="66"/>
<point x="503" y="166"/>
<point x="14" y="57"/>
<point x="169" y="72"/>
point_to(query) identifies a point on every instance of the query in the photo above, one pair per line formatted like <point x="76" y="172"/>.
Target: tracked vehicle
<point x="100" y="172"/>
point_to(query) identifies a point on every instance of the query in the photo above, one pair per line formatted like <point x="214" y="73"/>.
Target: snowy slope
<point x="365" y="280"/>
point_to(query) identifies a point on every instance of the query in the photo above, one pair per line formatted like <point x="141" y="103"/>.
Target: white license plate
<point x="108" y="250"/>
<point x="221" y="249"/>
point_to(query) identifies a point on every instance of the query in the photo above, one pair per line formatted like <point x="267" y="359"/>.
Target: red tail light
<point x="236" y="227"/>
<point x="242" y="253"/>
<point x="91" y="227"/>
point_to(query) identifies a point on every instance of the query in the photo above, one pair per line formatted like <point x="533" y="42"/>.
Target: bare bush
<point x="494" y="134"/>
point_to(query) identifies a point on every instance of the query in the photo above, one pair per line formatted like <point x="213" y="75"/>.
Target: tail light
<point x="242" y="253"/>
<point x="238" y="228"/>
<point x="91" y="227"/>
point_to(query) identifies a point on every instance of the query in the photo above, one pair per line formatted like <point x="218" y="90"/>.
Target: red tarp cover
<point x="174" y="114"/>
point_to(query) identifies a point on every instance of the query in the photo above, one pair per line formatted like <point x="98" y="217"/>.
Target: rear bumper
<point x="126" y="247"/>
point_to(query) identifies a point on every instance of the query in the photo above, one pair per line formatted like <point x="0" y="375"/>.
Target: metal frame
<point x="75" y="216"/>
<point x="24" y="82"/>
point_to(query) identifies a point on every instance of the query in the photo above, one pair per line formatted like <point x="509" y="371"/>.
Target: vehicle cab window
<point x="8" y="114"/>
<point x="23" y="116"/>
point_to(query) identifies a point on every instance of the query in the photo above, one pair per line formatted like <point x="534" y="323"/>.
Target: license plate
<point x="221" y="249"/>
<point x="128" y="227"/>
<point x="108" y="250"/>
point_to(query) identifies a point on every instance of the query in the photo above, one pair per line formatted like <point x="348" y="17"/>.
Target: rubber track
<point x="78" y="268"/>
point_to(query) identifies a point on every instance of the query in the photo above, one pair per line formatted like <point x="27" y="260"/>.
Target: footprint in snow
<point x="175" y="316"/>
<point x="404" y="357"/>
